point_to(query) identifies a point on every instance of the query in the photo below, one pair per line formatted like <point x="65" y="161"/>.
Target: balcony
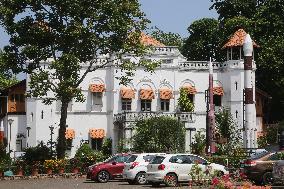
<point x="136" y="116"/>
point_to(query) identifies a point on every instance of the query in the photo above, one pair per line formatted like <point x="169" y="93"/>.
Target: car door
<point x="181" y="166"/>
<point x="202" y="163"/>
<point x="117" y="165"/>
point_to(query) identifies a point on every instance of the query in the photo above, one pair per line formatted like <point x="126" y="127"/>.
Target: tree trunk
<point x="61" y="144"/>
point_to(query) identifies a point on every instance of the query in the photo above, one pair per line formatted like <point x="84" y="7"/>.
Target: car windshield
<point x="258" y="154"/>
<point x="157" y="160"/>
<point x="110" y="159"/>
<point x="131" y="159"/>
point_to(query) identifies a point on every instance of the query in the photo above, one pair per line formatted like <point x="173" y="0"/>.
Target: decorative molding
<point x="145" y="79"/>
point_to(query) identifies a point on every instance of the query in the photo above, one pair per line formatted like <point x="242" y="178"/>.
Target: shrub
<point x="38" y="153"/>
<point x="159" y="134"/>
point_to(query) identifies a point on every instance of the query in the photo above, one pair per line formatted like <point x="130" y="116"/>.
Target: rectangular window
<point x="126" y="105"/>
<point x="96" y="143"/>
<point x="146" y="105"/>
<point x="167" y="61"/>
<point x="97" y="99"/>
<point x="165" y="105"/>
<point x="217" y="100"/>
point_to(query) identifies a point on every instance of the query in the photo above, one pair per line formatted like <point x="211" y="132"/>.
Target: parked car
<point x="109" y="169"/>
<point x="259" y="166"/>
<point x="278" y="173"/>
<point x="135" y="167"/>
<point x="177" y="167"/>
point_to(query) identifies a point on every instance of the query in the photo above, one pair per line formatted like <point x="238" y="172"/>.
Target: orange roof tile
<point x="149" y="41"/>
<point x="237" y="40"/>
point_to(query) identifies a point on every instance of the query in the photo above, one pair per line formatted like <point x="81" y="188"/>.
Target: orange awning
<point x="97" y="88"/>
<point x="70" y="133"/>
<point x="127" y="93"/>
<point x="147" y="94"/>
<point x="166" y="94"/>
<point x="218" y="91"/>
<point x="190" y="89"/>
<point x="97" y="133"/>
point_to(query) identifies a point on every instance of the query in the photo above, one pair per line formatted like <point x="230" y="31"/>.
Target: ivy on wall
<point x="184" y="103"/>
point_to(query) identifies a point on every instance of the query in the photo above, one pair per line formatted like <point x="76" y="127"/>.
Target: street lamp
<point x="28" y="135"/>
<point x="10" y="121"/>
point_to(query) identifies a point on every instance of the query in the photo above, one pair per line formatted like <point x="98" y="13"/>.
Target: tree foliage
<point x="168" y="39"/>
<point x="228" y="130"/>
<point x="159" y="134"/>
<point x="264" y="21"/>
<point x="184" y="103"/>
<point x="75" y="34"/>
<point x="204" y="40"/>
<point x="6" y="77"/>
<point x="199" y="144"/>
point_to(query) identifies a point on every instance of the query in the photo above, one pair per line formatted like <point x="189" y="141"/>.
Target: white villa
<point x="110" y="110"/>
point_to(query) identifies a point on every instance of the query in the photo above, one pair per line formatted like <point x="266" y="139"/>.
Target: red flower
<point x="215" y="181"/>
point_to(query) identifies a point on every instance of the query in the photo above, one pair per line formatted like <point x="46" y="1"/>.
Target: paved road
<point x="69" y="183"/>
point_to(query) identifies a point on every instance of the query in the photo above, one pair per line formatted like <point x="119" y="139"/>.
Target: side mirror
<point x="113" y="163"/>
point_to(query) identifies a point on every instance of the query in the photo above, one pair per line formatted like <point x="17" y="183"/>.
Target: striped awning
<point x="146" y="94"/>
<point x="70" y="133"/>
<point x="190" y="89"/>
<point x="165" y="94"/>
<point x="127" y="93"/>
<point x="97" y="88"/>
<point x="218" y="91"/>
<point x="97" y="133"/>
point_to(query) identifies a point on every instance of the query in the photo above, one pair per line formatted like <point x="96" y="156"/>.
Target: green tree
<point x="234" y="8"/>
<point x="266" y="19"/>
<point x="184" y="103"/>
<point x="228" y="130"/>
<point x="159" y="134"/>
<point x="199" y="144"/>
<point x="204" y="41"/>
<point x="6" y="77"/>
<point x="168" y="39"/>
<point x="74" y="33"/>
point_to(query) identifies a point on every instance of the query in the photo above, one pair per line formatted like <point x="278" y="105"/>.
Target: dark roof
<point x="20" y="83"/>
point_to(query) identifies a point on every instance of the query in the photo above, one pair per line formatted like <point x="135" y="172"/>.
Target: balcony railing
<point x="136" y="116"/>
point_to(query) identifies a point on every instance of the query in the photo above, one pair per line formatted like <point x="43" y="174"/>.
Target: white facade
<point x="173" y="73"/>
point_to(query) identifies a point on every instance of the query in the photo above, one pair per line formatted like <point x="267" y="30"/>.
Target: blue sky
<point x="176" y="15"/>
<point x="168" y="15"/>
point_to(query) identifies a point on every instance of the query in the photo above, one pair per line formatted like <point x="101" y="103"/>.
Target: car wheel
<point x="171" y="180"/>
<point x="140" y="178"/>
<point x="103" y="176"/>
<point x="267" y="178"/>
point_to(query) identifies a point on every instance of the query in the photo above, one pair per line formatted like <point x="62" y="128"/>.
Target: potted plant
<point x="35" y="168"/>
<point x="49" y="166"/>
<point x="19" y="166"/>
<point x="60" y="165"/>
<point x="75" y="165"/>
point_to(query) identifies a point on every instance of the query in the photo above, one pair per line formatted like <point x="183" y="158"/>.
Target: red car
<point x="109" y="169"/>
